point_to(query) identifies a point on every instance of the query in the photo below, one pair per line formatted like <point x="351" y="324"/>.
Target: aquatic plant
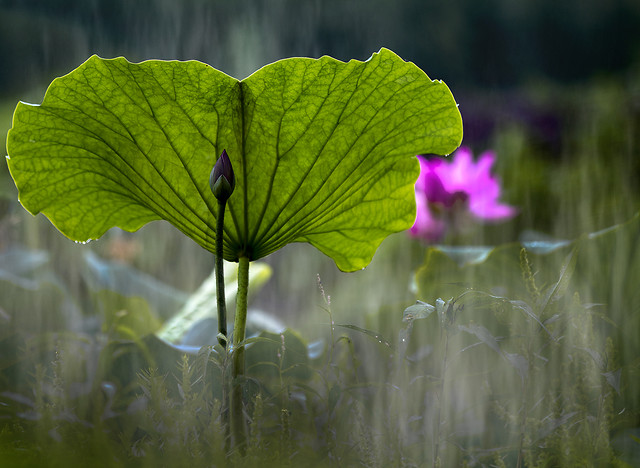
<point x="452" y="193"/>
<point x="527" y="377"/>
<point x="323" y="152"/>
<point x="515" y="355"/>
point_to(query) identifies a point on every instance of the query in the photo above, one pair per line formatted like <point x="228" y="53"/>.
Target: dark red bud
<point x="222" y="180"/>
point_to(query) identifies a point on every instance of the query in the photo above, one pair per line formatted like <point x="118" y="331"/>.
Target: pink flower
<point x="452" y="193"/>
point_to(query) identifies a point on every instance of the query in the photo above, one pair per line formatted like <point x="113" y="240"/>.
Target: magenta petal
<point x="425" y="168"/>
<point x="434" y="190"/>
<point x="457" y="185"/>
<point x="483" y="190"/>
<point x="494" y="211"/>
<point x="486" y="161"/>
<point x="425" y="225"/>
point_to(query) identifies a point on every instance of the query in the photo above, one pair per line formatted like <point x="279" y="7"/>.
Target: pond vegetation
<point x="523" y="348"/>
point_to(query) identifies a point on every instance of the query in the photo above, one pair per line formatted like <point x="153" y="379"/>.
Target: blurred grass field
<point x="534" y="361"/>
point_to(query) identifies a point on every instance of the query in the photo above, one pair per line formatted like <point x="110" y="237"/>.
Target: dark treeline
<point x="493" y="43"/>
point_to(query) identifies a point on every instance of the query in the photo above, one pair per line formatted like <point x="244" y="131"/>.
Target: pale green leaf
<point x="323" y="151"/>
<point x="419" y="310"/>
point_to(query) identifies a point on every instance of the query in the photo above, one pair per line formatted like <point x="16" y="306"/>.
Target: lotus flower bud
<point x="222" y="181"/>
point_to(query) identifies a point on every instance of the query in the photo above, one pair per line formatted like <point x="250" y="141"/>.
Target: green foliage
<point x="528" y="356"/>
<point x="197" y="309"/>
<point x="323" y="151"/>
<point x="604" y="266"/>
<point x="35" y="298"/>
<point x="543" y="351"/>
<point x="127" y="317"/>
<point x="278" y="355"/>
<point x="527" y="376"/>
<point x="587" y="170"/>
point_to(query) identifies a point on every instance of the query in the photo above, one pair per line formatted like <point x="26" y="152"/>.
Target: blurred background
<point x="497" y="44"/>
<point x="552" y="86"/>
<point x="544" y="83"/>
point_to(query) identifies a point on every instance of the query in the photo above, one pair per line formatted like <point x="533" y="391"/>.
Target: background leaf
<point x="323" y="150"/>
<point x="419" y="310"/>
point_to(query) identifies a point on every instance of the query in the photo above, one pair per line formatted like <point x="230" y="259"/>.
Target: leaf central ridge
<point x="323" y="150"/>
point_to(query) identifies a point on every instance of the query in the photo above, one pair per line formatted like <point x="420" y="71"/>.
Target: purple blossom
<point x="453" y="193"/>
<point x="222" y="179"/>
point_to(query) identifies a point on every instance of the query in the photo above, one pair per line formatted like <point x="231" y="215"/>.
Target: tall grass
<point x="526" y="355"/>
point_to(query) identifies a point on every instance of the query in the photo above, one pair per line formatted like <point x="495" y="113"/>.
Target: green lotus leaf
<point x="323" y="151"/>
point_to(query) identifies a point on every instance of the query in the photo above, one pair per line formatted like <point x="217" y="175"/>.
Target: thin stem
<point x="438" y="420"/>
<point x="239" y="326"/>
<point x="523" y="427"/>
<point x="222" y="311"/>
<point x="222" y="304"/>
<point x="222" y="183"/>
<point x="525" y="407"/>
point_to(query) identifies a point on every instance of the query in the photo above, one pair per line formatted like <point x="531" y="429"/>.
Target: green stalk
<point x="441" y="398"/>
<point x="222" y="304"/>
<point x="222" y="310"/>
<point x="239" y="327"/>
<point x="222" y="182"/>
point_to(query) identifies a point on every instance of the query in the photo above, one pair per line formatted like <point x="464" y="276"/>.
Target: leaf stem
<point x="222" y="304"/>
<point x="239" y="327"/>
<point x="441" y="397"/>
<point x="222" y="308"/>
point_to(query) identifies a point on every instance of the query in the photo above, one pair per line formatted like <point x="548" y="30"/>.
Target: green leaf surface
<point x="198" y="307"/>
<point x="419" y="310"/>
<point x="323" y="151"/>
<point x="285" y="351"/>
